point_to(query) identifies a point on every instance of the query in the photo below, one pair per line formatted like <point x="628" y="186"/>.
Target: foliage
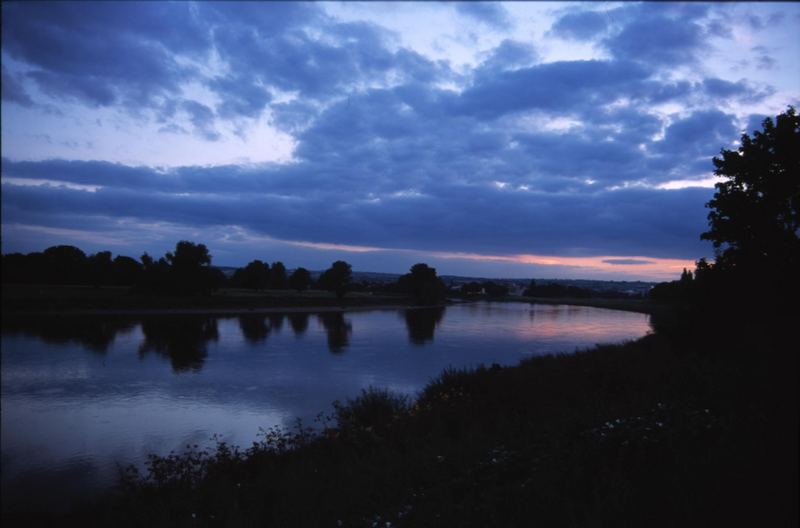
<point x="277" y="276"/>
<point x="254" y="276"/>
<point x="754" y="222"/>
<point x="488" y="288"/>
<point x="186" y="271"/>
<point x="422" y="284"/>
<point x="558" y="290"/>
<point x="374" y="409"/>
<point x="755" y="213"/>
<point x="300" y="279"/>
<point x="337" y="278"/>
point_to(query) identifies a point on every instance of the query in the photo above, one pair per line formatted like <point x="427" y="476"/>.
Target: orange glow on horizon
<point x="662" y="268"/>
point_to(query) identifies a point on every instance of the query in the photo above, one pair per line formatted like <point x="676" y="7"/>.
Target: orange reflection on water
<point x="599" y="325"/>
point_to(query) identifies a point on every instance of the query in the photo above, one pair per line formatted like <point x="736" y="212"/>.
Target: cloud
<point x="13" y="91"/>
<point x="489" y="13"/>
<point x="585" y="25"/>
<point x="627" y="262"/>
<point x="658" y="37"/>
<point x="556" y="86"/>
<point x="202" y="119"/>
<point x="111" y="53"/>
<point x="390" y="147"/>
<point x="509" y="55"/>
<point x="482" y="218"/>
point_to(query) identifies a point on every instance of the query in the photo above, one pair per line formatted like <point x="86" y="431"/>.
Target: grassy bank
<point x="629" y="304"/>
<point x="680" y="428"/>
<point x="59" y="299"/>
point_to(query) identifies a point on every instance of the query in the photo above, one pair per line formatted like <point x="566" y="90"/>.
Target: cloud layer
<point x="390" y="147"/>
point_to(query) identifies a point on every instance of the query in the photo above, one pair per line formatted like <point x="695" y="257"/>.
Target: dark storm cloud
<point x="580" y="26"/>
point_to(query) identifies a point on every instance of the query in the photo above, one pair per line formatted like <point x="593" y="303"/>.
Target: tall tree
<point x="755" y="213"/>
<point x="337" y="278"/>
<point x="300" y="279"/>
<point x="422" y="284"/>
<point x="277" y="276"/>
<point x="754" y="221"/>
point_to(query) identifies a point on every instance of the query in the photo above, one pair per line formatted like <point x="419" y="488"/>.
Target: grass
<point x="50" y="298"/>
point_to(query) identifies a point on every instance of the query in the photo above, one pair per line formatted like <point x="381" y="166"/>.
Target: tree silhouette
<point x="337" y="278"/>
<point x="422" y="284"/>
<point x="300" y="279"/>
<point x="277" y="276"/>
<point x="254" y="276"/>
<point x="755" y="213"/>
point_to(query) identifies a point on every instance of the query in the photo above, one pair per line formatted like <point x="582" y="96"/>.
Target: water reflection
<point x="254" y="328"/>
<point x="338" y="329"/>
<point x="299" y="323"/>
<point x="276" y="320"/>
<point x="422" y="322"/>
<point x="182" y="338"/>
<point x="95" y="334"/>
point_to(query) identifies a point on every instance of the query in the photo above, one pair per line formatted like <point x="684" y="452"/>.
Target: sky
<point x="553" y="140"/>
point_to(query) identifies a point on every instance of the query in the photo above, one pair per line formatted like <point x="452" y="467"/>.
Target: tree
<point x="300" y="279"/>
<point x="337" y="278"/>
<point x="755" y="213"/>
<point x="185" y="271"/>
<point x="277" y="276"/>
<point x="126" y="271"/>
<point x="65" y="265"/>
<point x="422" y="284"/>
<point x="188" y="256"/>
<point x="101" y="268"/>
<point x="254" y="276"/>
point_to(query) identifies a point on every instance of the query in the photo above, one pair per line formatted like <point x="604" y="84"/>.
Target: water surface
<point x="81" y="395"/>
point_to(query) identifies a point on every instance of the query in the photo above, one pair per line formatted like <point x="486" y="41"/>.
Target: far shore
<point x="112" y="301"/>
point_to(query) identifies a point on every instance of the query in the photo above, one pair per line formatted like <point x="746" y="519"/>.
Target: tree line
<point x="187" y="271"/>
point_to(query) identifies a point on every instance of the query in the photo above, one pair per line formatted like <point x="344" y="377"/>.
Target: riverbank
<point x="674" y="429"/>
<point x="110" y="300"/>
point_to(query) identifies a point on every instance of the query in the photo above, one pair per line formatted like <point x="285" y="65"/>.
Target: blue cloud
<point x="564" y="86"/>
<point x="489" y="13"/>
<point x="659" y="37"/>
<point x="202" y="119"/>
<point x="452" y="217"/>
<point x="13" y="91"/>
<point x="510" y="54"/>
<point x="109" y="54"/>
<point x="580" y="26"/>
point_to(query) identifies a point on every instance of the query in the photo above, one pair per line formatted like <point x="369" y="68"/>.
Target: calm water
<point x="83" y="394"/>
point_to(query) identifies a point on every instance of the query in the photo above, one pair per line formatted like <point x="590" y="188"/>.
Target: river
<point x="82" y="395"/>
